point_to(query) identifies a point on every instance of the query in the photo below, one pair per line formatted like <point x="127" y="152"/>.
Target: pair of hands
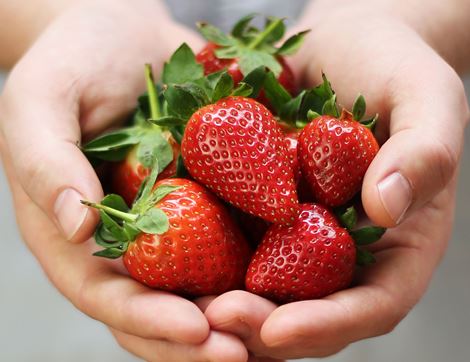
<point x="83" y="75"/>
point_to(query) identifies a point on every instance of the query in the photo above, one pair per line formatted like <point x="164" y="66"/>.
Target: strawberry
<point x="177" y="237"/>
<point x="127" y="175"/>
<point x="312" y="258"/>
<point x="211" y="63"/>
<point x="334" y="154"/>
<point x="133" y="149"/>
<point x="236" y="148"/>
<point x="247" y="48"/>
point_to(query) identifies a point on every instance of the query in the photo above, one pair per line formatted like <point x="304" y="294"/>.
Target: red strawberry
<point x="310" y="259"/>
<point x="128" y="174"/>
<point x="212" y="64"/>
<point x="236" y="148"/>
<point x="252" y="227"/>
<point x="184" y="240"/>
<point x="247" y="48"/>
<point x="334" y="154"/>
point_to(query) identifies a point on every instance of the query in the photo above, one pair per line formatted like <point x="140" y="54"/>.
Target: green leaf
<point x="347" y="217"/>
<point x="223" y="87"/>
<point x="367" y="235"/>
<point x="116" y="202"/>
<point x="168" y="121"/>
<point x="182" y="67"/>
<point x="274" y="30"/>
<point x="292" y="45"/>
<point x="182" y="101"/>
<point x="110" y="253"/>
<point x="181" y="171"/>
<point x="311" y="115"/>
<point x="275" y="92"/>
<point x="131" y="231"/>
<point x="215" y="35"/>
<point x="146" y="188"/>
<point x="359" y="108"/>
<point x="239" y="29"/>
<point x="243" y="90"/>
<point x="289" y="111"/>
<point x="154" y="221"/>
<point x="364" y="257"/>
<point x="330" y="107"/>
<point x="256" y="80"/>
<point x="104" y="238"/>
<point x="155" y="147"/>
<point x="113" y="227"/>
<point x="110" y="142"/>
<point x="250" y="59"/>
<point x="177" y="133"/>
<point x="371" y="123"/>
<point x="162" y="191"/>
<point x="228" y="52"/>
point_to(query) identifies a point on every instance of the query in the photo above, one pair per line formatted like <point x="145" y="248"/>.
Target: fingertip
<point x="225" y="347"/>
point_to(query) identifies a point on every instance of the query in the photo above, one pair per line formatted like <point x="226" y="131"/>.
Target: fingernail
<point x="395" y="194"/>
<point x="69" y="212"/>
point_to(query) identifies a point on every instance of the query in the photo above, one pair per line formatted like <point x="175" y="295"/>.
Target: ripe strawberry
<point x="334" y="154"/>
<point x="178" y="238"/>
<point x="311" y="258"/>
<point x="211" y="63"/>
<point x="236" y="148"/>
<point x="252" y="227"/>
<point x="127" y="175"/>
<point x="247" y="48"/>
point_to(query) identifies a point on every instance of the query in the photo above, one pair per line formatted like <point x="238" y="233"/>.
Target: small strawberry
<point x="177" y="237"/>
<point x="132" y="150"/>
<point x="127" y="175"/>
<point x="236" y="148"/>
<point x="309" y="259"/>
<point x="335" y="152"/>
<point x="247" y="48"/>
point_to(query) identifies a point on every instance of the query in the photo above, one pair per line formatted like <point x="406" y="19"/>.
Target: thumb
<point x="422" y="154"/>
<point x="42" y="135"/>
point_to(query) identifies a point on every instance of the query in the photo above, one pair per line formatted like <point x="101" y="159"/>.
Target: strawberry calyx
<point x="120" y="225"/>
<point x="312" y="103"/>
<point x="362" y="236"/>
<point x="152" y="141"/>
<point x="251" y="46"/>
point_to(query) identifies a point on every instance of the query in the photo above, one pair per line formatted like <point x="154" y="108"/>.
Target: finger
<point x="219" y="346"/>
<point x="42" y="134"/>
<point x="423" y="151"/>
<point x="97" y="287"/>
<point x="243" y="314"/>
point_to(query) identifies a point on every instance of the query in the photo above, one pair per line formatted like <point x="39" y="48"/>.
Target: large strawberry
<point x="236" y="148"/>
<point x="309" y="259"/>
<point x="177" y="237"/>
<point x="334" y="153"/>
<point x="247" y="47"/>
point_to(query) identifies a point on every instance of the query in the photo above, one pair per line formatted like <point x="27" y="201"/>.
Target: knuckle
<point x="445" y="159"/>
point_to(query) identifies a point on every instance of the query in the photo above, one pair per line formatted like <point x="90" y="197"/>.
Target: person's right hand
<point x="83" y="74"/>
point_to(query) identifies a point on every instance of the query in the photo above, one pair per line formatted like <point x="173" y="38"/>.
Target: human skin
<point x="378" y="48"/>
<point x="82" y="75"/>
<point x="390" y="53"/>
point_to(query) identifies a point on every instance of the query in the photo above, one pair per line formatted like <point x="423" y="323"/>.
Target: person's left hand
<point x="403" y="79"/>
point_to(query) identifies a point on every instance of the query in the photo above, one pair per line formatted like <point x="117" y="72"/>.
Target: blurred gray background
<point x="38" y="325"/>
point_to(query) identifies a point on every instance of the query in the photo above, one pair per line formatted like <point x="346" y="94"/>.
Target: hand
<point x="411" y="182"/>
<point x="80" y="77"/>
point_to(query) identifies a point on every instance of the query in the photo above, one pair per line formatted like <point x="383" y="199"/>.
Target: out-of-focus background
<point x="38" y="325"/>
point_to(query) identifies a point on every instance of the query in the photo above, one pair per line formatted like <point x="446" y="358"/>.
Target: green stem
<point x="264" y="34"/>
<point x="152" y="92"/>
<point x="109" y="210"/>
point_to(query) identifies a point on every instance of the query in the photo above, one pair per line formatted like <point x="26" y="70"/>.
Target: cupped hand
<point x="409" y="187"/>
<point x="82" y="76"/>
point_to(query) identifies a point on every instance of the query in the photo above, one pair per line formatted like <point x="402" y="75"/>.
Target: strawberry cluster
<point x="228" y="176"/>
